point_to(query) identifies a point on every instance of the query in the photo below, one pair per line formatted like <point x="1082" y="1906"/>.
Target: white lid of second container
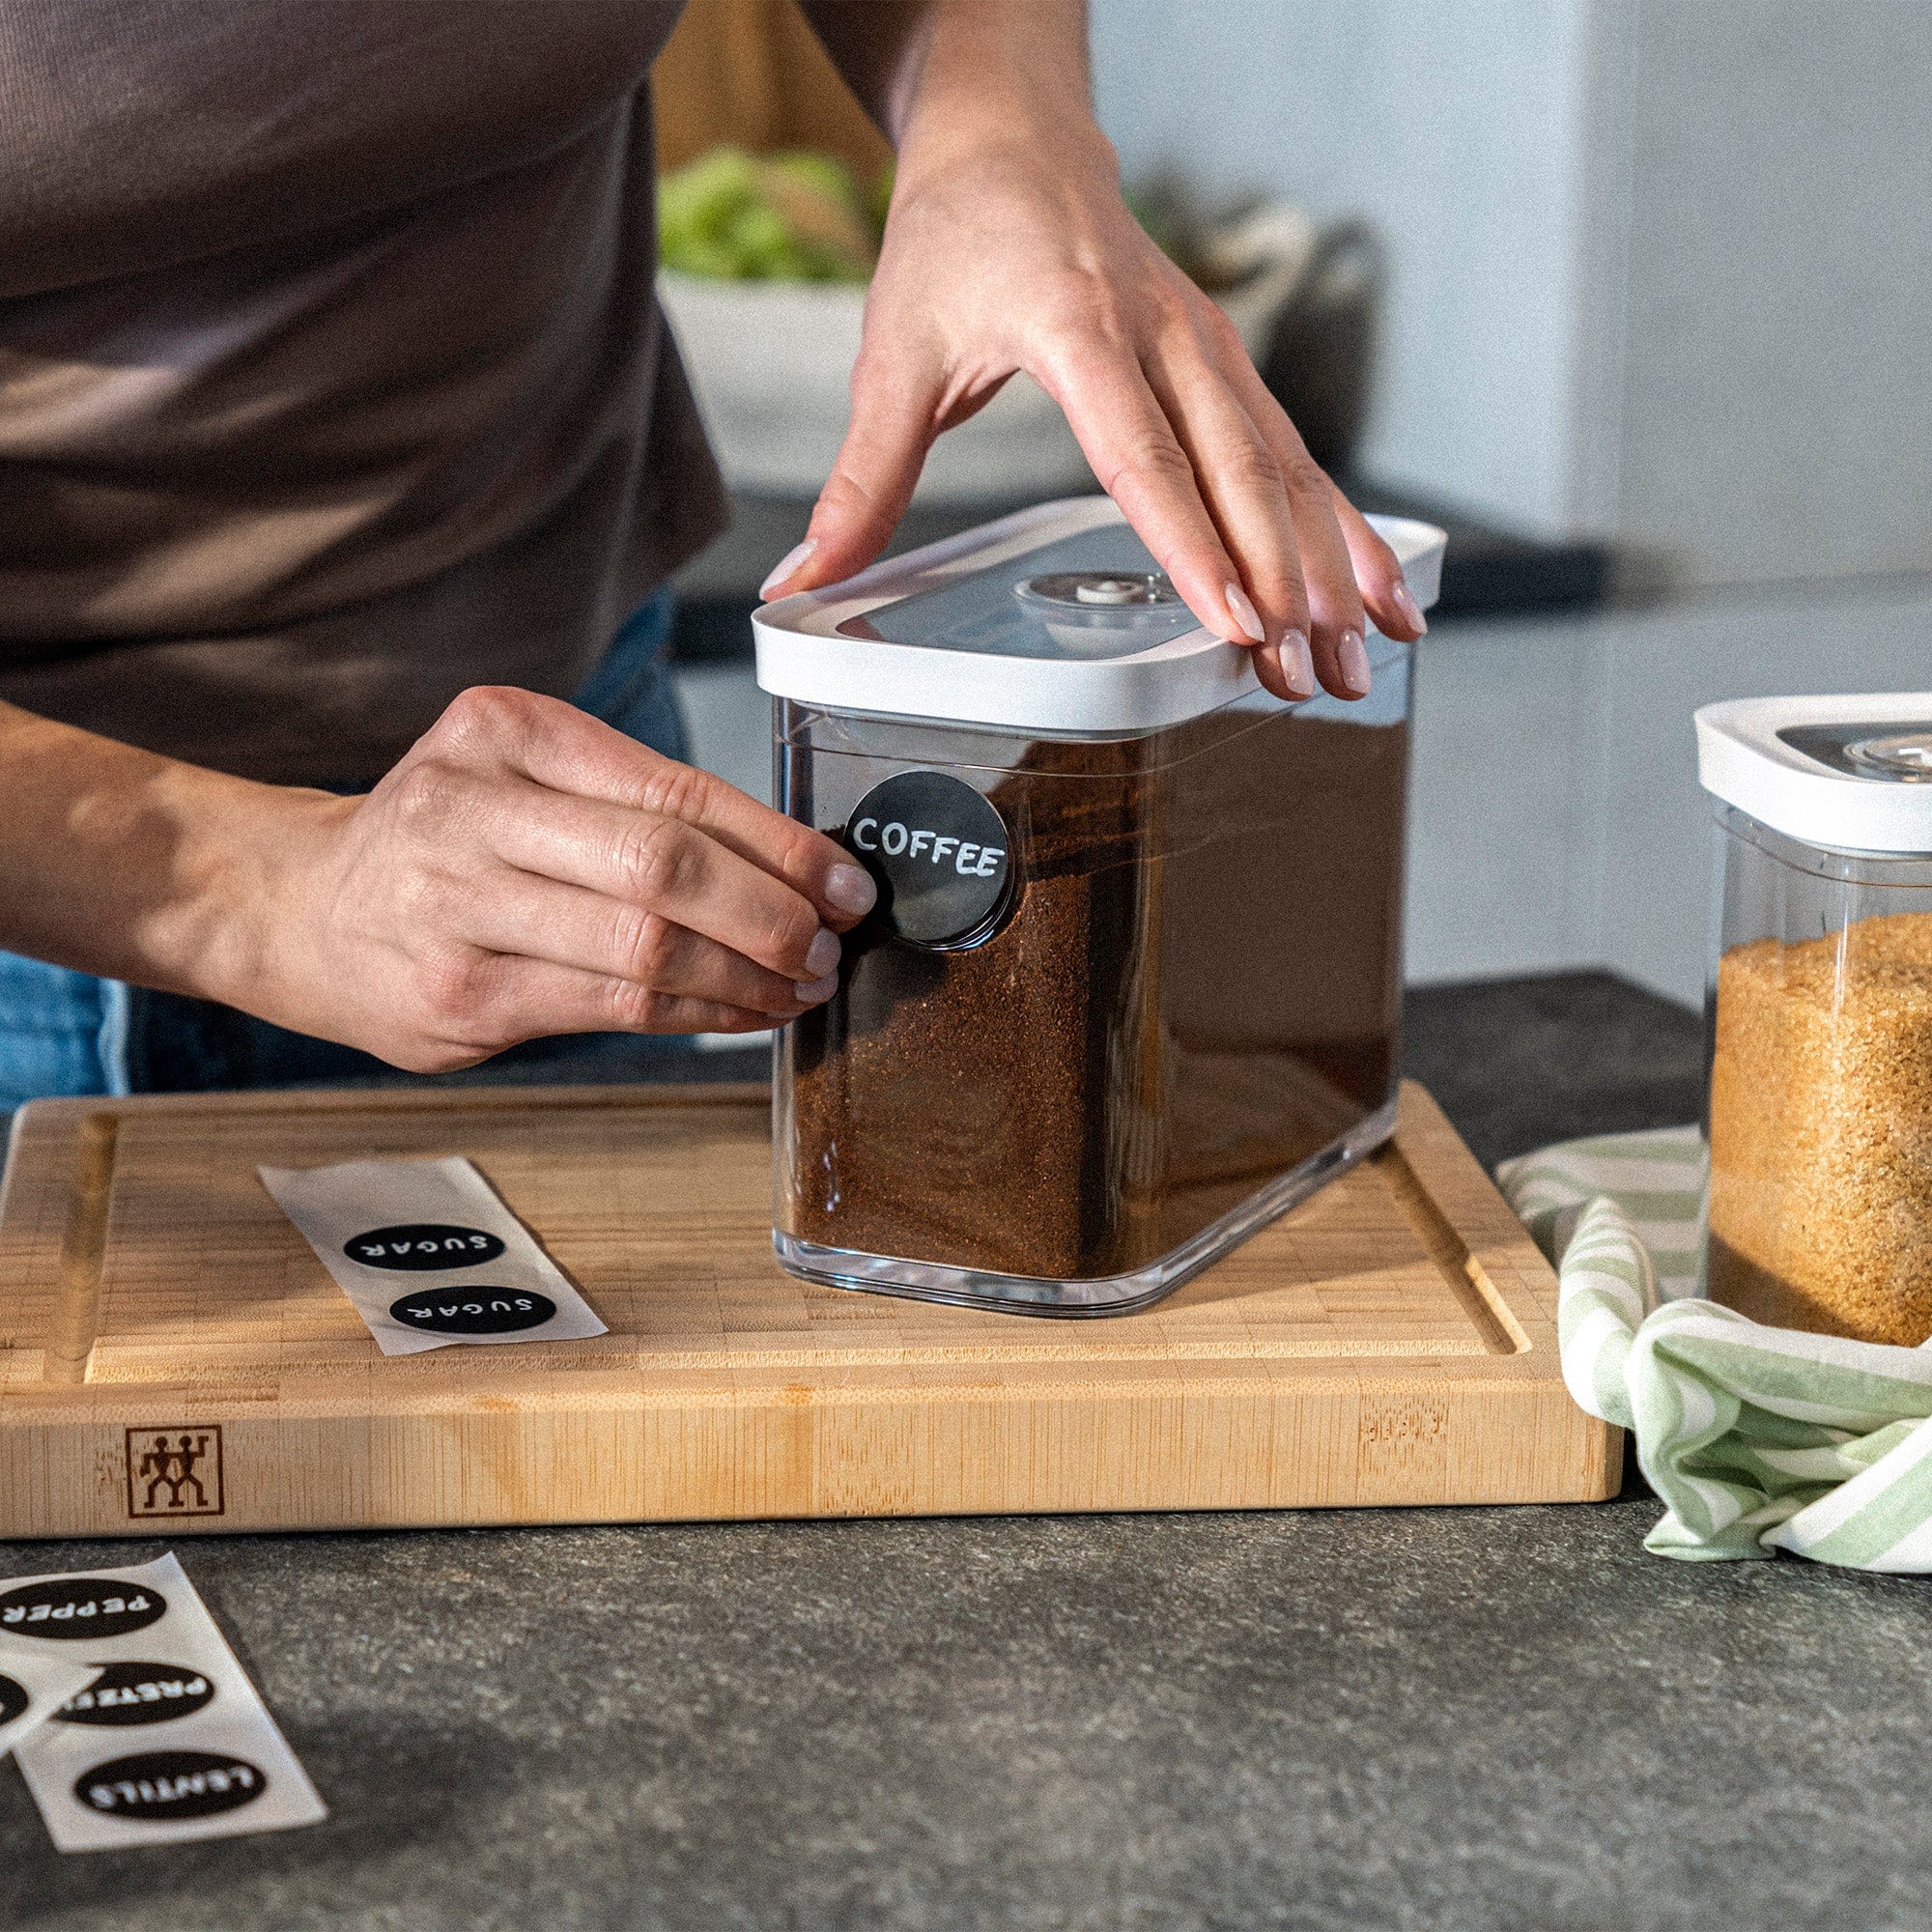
<point x="1850" y="774"/>
<point x="811" y="646"/>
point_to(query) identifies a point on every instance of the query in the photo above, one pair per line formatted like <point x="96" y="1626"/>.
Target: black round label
<point x="79" y="1608"/>
<point x="157" y="1787"/>
<point x="13" y="1699"/>
<point x="137" y="1693"/>
<point x="939" y="852"/>
<point x="472" y="1311"/>
<point x="418" y="1246"/>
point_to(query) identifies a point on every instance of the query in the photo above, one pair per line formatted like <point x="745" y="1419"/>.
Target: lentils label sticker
<point x="138" y="1694"/>
<point x="479" y="1311"/>
<point x="940" y="854"/>
<point x="421" y="1247"/>
<point x="157" y="1787"/>
<point x="78" y="1609"/>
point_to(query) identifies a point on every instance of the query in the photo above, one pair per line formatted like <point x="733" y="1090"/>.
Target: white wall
<point x="1556" y="819"/>
<point x="1454" y="127"/>
<point x="1777" y="409"/>
<point x="1661" y="269"/>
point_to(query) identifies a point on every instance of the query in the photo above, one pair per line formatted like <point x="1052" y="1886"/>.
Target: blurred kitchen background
<point x="1632" y="295"/>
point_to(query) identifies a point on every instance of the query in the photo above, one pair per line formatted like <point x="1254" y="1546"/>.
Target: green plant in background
<point x="798" y="217"/>
<point x="804" y="216"/>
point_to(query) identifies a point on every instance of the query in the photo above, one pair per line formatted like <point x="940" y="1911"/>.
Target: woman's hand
<point x="1009" y="248"/>
<point x="525" y="871"/>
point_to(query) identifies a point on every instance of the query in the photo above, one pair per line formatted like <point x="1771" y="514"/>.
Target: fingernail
<point x="1244" y="612"/>
<point x="1352" y="658"/>
<point x="822" y="956"/>
<point x="1297" y="663"/>
<point x="1408" y="607"/>
<point x="789" y="566"/>
<point x="850" y="889"/>
<point x="816" y="992"/>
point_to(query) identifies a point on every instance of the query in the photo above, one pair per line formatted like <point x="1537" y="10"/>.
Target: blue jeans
<point x="67" y="1033"/>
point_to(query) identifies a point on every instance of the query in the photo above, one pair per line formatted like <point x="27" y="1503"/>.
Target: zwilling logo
<point x="175" y="1471"/>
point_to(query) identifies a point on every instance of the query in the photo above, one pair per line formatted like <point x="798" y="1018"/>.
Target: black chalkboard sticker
<point x="79" y="1609"/>
<point x="423" y="1247"/>
<point x="472" y="1311"/>
<point x="158" y="1787"/>
<point x="941" y="855"/>
<point x="138" y="1694"/>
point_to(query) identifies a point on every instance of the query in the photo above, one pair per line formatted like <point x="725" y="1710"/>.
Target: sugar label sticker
<point x="163" y="1738"/>
<point x="429" y="1255"/>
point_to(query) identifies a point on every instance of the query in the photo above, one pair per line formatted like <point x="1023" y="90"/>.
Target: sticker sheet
<point x="429" y="1254"/>
<point x="166" y="1740"/>
<point x="33" y="1683"/>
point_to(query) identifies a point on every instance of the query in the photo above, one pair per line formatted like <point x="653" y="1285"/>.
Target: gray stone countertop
<point x="1441" y="1719"/>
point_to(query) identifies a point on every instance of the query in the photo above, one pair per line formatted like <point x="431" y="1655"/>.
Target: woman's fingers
<point x="1357" y="569"/>
<point x="516" y="913"/>
<point x="566" y="752"/>
<point x="497" y="1000"/>
<point x="654" y="865"/>
<point x="894" y="417"/>
<point x="1141" y="464"/>
<point x="1378" y="573"/>
<point x="1242" y="485"/>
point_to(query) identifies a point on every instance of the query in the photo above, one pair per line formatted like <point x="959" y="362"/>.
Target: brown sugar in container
<point x="1821" y="1063"/>
<point x="1134" y="986"/>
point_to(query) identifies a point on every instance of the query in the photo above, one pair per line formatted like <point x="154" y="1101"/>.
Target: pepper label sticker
<point x="940" y="854"/>
<point x="78" y="1610"/>
<point x="159" y="1787"/>
<point x="138" y="1694"/>
<point x="424" y="1246"/>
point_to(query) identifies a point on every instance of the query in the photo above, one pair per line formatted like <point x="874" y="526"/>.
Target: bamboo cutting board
<point x="1391" y="1341"/>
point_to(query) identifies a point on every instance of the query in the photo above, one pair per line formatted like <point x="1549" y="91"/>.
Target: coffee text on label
<point x="970" y="860"/>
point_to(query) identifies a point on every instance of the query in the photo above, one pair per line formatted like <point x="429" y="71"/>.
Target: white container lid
<point x="1848" y="773"/>
<point x="978" y="656"/>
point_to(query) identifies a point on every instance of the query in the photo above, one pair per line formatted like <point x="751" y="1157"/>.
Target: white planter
<point x="772" y="366"/>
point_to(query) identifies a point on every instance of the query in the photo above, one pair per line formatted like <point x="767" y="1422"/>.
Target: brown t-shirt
<point x="332" y="378"/>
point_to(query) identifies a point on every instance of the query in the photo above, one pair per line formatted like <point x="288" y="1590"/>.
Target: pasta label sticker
<point x="440" y="1221"/>
<point x="138" y="1694"/>
<point x="197" y="1754"/>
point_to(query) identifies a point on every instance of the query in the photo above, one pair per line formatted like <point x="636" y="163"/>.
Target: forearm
<point x="948" y="78"/>
<point x="121" y="863"/>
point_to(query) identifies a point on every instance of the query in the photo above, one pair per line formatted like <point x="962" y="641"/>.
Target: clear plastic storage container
<point x="1821" y="1013"/>
<point x="1133" y="984"/>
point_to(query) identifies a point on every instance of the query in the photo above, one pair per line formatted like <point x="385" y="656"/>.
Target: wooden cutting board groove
<point x="1390" y="1341"/>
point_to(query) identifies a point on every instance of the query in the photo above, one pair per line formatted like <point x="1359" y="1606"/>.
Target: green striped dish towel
<point x="1757" y="1439"/>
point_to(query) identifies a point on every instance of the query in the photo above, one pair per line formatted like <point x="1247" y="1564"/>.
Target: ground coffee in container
<point x="1821" y="1009"/>
<point x="1133" y="984"/>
